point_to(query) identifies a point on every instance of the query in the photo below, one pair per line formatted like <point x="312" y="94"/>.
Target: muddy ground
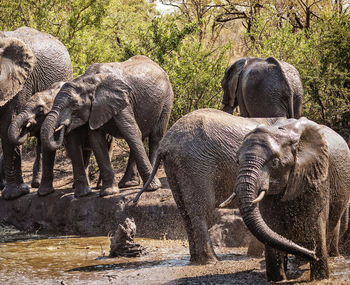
<point x="34" y="256"/>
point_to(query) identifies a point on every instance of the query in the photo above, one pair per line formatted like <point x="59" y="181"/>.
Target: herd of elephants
<point x="291" y="176"/>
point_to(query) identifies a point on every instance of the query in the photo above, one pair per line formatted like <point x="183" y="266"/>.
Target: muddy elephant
<point x="30" y="62"/>
<point x="299" y="171"/>
<point x="130" y="100"/>
<point x="29" y="122"/>
<point x="262" y="88"/>
<point x="200" y="154"/>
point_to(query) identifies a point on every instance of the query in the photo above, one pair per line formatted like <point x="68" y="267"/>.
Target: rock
<point x="122" y="241"/>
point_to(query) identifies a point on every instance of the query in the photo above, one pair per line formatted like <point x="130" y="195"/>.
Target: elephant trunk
<point x="50" y="137"/>
<point x="246" y="189"/>
<point x="18" y="129"/>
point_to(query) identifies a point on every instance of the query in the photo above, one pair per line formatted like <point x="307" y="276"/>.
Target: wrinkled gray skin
<point x="304" y="169"/>
<point x="199" y="154"/>
<point x="30" y="62"/>
<point x="29" y="122"/>
<point x="279" y="157"/>
<point x="262" y="88"/>
<point x="130" y="100"/>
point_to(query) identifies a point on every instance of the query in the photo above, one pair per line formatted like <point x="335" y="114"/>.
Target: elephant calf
<point x="29" y="122"/>
<point x="302" y="167"/>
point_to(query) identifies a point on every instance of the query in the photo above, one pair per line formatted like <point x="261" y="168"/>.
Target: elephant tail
<point x="153" y="173"/>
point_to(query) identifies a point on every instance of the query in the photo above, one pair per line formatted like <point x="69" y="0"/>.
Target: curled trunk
<point x="49" y="138"/>
<point x="17" y="131"/>
<point x="247" y="192"/>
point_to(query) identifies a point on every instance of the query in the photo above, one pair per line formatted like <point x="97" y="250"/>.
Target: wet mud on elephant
<point x="130" y="100"/>
<point x="262" y="88"/>
<point x="28" y="123"/>
<point x="203" y="159"/>
<point x="30" y="62"/>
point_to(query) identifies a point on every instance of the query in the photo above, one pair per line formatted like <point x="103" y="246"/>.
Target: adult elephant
<point x="30" y="62"/>
<point x="29" y="123"/>
<point x="130" y="100"/>
<point x="303" y="168"/>
<point x="262" y="88"/>
<point x="200" y="153"/>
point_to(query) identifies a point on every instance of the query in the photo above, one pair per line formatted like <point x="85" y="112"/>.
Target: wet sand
<point x="83" y="260"/>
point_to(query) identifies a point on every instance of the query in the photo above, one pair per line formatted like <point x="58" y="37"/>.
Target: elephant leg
<point x="109" y="140"/>
<point x="46" y="183"/>
<point x="99" y="145"/>
<point x="15" y="187"/>
<point x="2" y="173"/>
<point x="130" y="131"/>
<point x="131" y="176"/>
<point x="275" y="264"/>
<point x="37" y="165"/>
<point x="86" y="160"/>
<point x="194" y="213"/>
<point x="333" y="241"/>
<point x="319" y="268"/>
<point x="74" y="148"/>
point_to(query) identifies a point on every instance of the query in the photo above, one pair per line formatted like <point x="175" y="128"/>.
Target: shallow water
<point x="35" y="259"/>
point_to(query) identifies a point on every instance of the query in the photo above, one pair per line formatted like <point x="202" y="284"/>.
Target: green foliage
<point x="322" y="56"/>
<point x="194" y="70"/>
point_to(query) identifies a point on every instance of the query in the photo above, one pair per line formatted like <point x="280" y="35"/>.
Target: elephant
<point x="262" y="88"/>
<point x="130" y="100"/>
<point x="30" y="61"/>
<point x="203" y="161"/>
<point x="29" y="122"/>
<point x="300" y="172"/>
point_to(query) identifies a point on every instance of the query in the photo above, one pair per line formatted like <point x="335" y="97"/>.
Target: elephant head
<point x="285" y="160"/>
<point x="16" y="64"/>
<point x="92" y="99"/>
<point x="29" y="121"/>
<point x="229" y="84"/>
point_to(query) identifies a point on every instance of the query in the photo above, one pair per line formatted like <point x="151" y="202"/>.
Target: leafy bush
<point x="194" y="70"/>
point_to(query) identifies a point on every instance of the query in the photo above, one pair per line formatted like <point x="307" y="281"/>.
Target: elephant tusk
<point x="228" y="200"/>
<point x="28" y="125"/>
<point x="260" y="197"/>
<point x="59" y="128"/>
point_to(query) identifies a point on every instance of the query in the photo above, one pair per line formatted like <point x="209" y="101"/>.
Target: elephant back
<point x="53" y="60"/>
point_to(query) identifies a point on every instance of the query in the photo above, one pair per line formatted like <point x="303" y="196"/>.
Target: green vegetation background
<point x="196" y="40"/>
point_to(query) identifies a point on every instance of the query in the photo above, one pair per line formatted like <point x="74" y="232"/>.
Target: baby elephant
<point x="302" y="167"/>
<point x="28" y="123"/>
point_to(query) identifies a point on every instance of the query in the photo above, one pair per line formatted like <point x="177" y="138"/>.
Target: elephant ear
<point x="16" y="64"/>
<point x="311" y="158"/>
<point x="230" y="82"/>
<point x="111" y="97"/>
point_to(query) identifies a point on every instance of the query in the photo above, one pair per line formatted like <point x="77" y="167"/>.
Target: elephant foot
<point x="125" y="183"/>
<point x="154" y="185"/>
<point x="13" y="191"/>
<point x="82" y="191"/>
<point x="203" y="259"/>
<point x="109" y="191"/>
<point x="45" y="190"/>
<point x="35" y="184"/>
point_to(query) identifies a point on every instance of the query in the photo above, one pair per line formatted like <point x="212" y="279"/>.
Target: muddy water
<point x="35" y="259"/>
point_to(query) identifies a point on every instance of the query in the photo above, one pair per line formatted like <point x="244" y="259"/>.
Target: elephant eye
<point x="40" y="109"/>
<point x="275" y="162"/>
